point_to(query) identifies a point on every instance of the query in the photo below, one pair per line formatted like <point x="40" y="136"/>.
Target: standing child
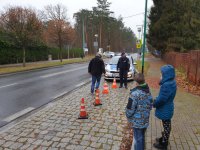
<point x="138" y="111"/>
<point x="164" y="104"/>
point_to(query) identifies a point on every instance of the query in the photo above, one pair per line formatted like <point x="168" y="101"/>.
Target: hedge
<point x="11" y="55"/>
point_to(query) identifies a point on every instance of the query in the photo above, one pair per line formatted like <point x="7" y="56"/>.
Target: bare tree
<point x="58" y="27"/>
<point x="22" y="26"/>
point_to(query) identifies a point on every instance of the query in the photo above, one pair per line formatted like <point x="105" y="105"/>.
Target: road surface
<point x="23" y="92"/>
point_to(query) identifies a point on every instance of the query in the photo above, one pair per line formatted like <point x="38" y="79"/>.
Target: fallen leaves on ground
<point x="183" y="83"/>
<point x="153" y="82"/>
<point x="127" y="138"/>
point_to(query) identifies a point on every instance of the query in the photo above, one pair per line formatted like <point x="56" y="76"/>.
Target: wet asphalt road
<point x="22" y="92"/>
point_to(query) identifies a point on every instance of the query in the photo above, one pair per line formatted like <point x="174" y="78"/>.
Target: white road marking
<point x="8" y="85"/>
<point x="59" y="95"/>
<point x="62" y="72"/>
<point x="82" y="83"/>
<point x="18" y="114"/>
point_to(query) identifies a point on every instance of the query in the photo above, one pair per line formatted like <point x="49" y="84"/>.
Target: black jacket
<point x="96" y="66"/>
<point x="123" y="63"/>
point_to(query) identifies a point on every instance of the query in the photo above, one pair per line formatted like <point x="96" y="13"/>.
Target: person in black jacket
<point x="123" y="66"/>
<point x="96" y="68"/>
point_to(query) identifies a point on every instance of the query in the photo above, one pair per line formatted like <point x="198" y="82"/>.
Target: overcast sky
<point x="125" y="8"/>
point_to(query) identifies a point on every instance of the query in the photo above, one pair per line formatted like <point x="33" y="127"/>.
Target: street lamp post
<point x="144" y="37"/>
<point x="83" y="38"/>
<point x="96" y="43"/>
<point x="139" y="30"/>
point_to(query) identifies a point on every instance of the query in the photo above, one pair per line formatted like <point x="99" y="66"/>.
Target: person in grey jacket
<point x="138" y="111"/>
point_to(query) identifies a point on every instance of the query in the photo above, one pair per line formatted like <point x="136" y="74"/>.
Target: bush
<point x="10" y="54"/>
<point x="73" y="53"/>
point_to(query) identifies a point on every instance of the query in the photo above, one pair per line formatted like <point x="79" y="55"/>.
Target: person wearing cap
<point x="96" y="68"/>
<point x="123" y="66"/>
<point x="138" y="111"/>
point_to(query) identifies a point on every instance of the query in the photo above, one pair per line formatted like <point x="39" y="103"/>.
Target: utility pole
<point x="144" y="37"/>
<point x="83" y="34"/>
<point x="141" y="29"/>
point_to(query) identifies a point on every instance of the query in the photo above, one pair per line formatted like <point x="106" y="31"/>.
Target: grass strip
<point x="39" y="65"/>
<point x="139" y="66"/>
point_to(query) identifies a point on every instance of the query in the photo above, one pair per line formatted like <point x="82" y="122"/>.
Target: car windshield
<point x="114" y="60"/>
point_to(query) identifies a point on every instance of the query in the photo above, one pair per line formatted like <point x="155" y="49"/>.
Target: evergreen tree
<point x="174" y="25"/>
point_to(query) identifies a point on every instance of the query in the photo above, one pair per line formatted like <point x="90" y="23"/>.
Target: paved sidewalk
<point x="56" y="126"/>
<point x="185" y="133"/>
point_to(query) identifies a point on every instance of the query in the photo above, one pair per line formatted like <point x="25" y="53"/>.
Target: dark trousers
<point x="167" y="130"/>
<point x="123" y="77"/>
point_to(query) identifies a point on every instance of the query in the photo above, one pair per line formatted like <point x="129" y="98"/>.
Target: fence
<point x="190" y="62"/>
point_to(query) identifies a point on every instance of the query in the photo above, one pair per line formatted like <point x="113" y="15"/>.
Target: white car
<point x="112" y="72"/>
<point x="109" y="54"/>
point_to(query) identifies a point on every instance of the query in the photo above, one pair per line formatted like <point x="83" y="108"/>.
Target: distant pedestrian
<point x="138" y="111"/>
<point x="164" y="104"/>
<point x="123" y="66"/>
<point x="96" y="68"/>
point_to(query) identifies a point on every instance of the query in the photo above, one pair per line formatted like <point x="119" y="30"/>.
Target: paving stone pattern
<point x="185" y="133"/>
<point x="57" y="127"/>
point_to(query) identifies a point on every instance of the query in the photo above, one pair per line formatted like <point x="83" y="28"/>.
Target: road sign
<point x="138" y="44"/>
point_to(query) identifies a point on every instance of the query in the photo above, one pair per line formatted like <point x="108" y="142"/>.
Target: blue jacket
<point x="139" y="106"/>
<point x="164" y="103"/>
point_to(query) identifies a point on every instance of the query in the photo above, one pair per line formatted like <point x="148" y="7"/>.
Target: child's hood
<point x="168" y="73"/>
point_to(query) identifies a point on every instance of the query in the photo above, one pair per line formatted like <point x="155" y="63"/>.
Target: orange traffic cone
<point x="105" y="88"/>
<point x="114" y="85"/>
<point x="97" y="101"/>
<point x="83" y="113"/>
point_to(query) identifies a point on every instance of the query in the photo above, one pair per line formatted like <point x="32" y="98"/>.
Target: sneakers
<point x="120" y="86"/>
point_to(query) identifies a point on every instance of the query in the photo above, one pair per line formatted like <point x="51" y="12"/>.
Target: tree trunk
<point x="24" y="57"/>
<point x="60" y="54"/>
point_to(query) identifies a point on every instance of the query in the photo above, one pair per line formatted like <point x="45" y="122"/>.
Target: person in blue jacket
<point x="138" y="111"/>
<point x="164" y="104"/>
